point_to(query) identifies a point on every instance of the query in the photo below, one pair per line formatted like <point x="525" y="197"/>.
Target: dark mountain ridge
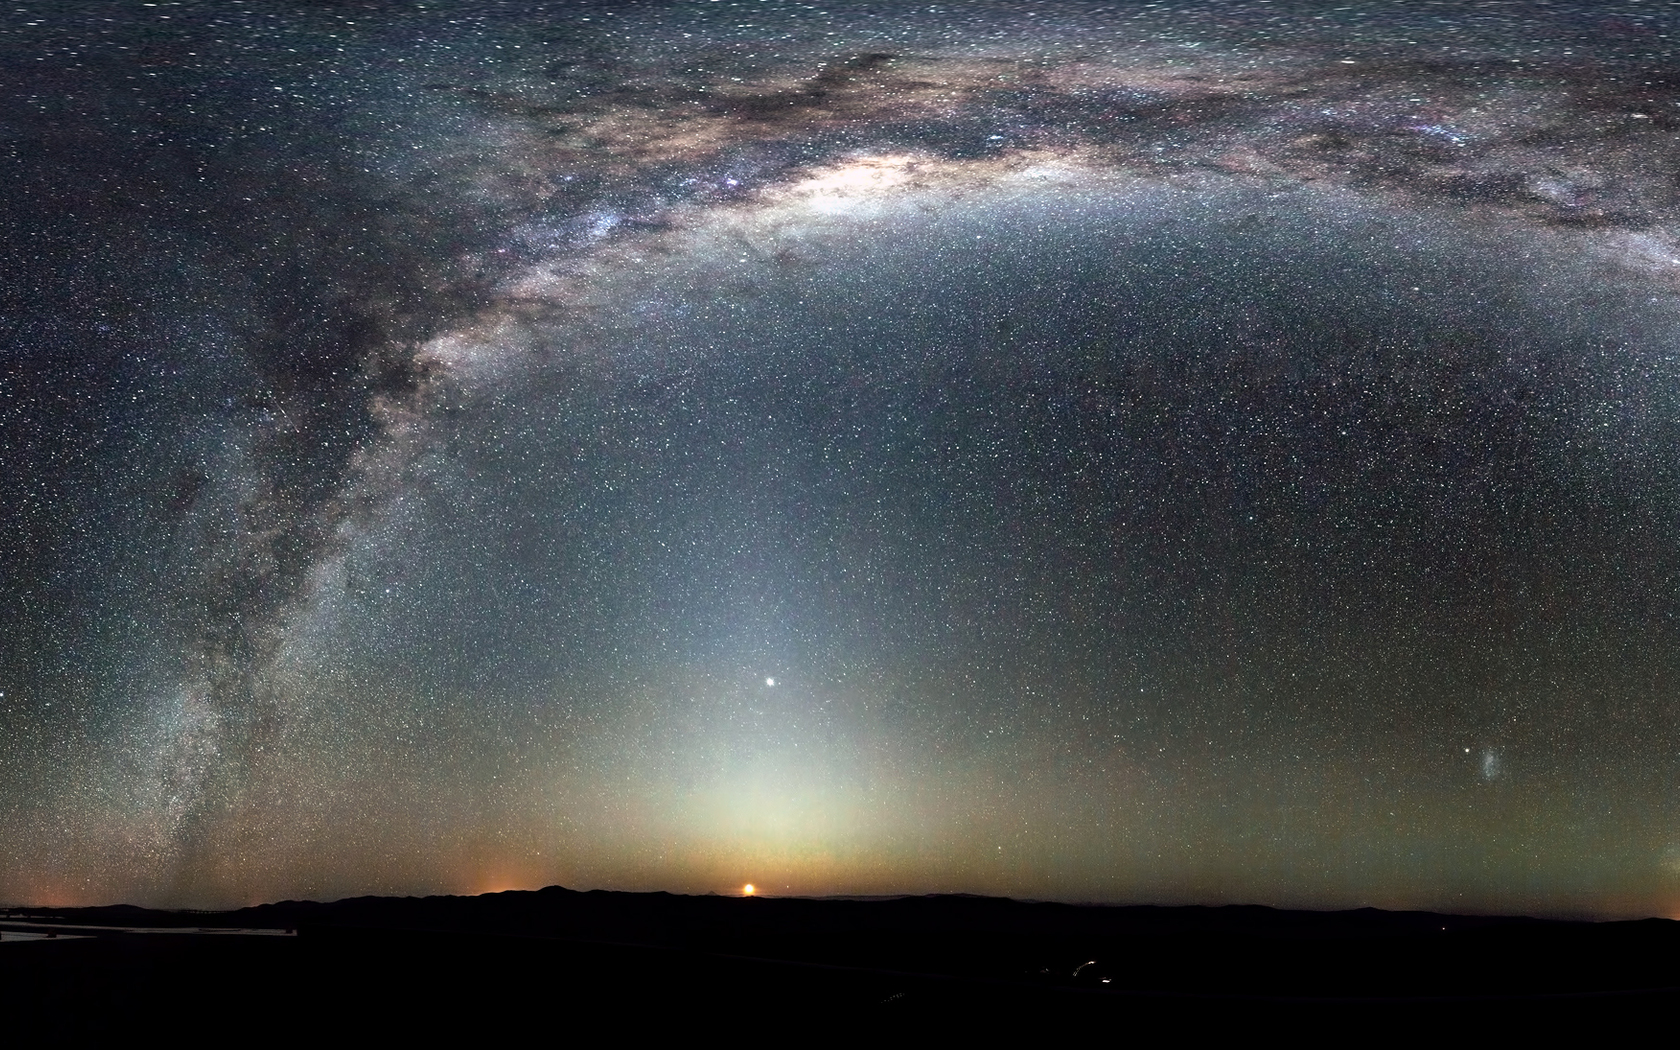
<point x="944" y="959"/>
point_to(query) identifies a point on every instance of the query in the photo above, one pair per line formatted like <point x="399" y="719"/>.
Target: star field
<point x="1099" y="452"/>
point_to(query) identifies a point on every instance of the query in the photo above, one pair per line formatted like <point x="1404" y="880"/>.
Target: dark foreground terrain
<point x="557" y="963"/>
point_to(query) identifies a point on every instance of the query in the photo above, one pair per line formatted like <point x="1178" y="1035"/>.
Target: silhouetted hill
<point x="940" y="960"/>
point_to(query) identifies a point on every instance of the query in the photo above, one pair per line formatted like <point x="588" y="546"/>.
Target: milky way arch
<point x="1154" y="457"/>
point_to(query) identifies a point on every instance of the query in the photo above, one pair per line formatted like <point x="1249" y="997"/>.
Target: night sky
<point x="1139" y="453"/>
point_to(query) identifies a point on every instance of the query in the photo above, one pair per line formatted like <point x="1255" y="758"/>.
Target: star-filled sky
<point x="1097" y="451"/>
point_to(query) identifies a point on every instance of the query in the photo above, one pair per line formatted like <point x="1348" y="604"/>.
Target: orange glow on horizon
<point x="500" y="884"/>
<point x="748" y="890"/>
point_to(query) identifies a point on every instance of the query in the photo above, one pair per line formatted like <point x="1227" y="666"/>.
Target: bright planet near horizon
<point x="1169" y="453"/>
